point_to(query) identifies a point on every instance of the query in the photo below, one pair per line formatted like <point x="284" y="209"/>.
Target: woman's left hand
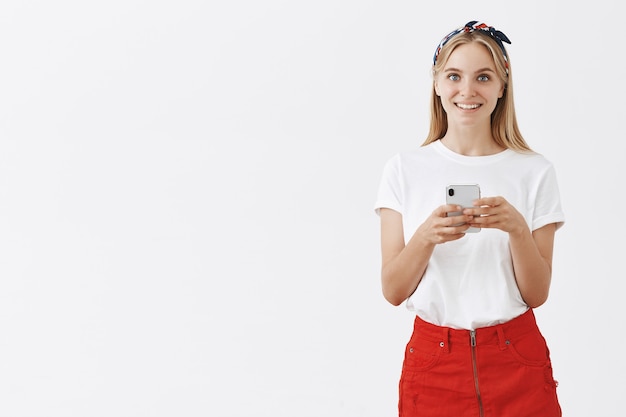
<point x="496" y="213"/>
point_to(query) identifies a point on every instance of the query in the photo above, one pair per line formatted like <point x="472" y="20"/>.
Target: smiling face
<point x="468" y="85"/>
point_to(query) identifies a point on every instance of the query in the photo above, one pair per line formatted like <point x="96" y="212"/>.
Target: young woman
<point x="476" y="349"/>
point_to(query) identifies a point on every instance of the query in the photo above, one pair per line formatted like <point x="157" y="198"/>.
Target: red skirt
<point x="497" y="371"/>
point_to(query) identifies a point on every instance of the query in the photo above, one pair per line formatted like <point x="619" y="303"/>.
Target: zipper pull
<point x="473" y="337"/>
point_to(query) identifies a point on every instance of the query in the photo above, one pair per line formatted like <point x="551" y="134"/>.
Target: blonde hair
<point x="504" y="126"/>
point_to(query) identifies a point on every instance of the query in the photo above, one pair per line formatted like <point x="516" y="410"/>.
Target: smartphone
<point x="462" y="195"/>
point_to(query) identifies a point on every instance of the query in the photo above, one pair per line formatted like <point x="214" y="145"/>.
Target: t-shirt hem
<point x="387" y="204"/>
<point x="557" y="218"/>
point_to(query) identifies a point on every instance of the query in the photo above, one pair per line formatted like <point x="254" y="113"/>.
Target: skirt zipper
<point x="475" y="366"/>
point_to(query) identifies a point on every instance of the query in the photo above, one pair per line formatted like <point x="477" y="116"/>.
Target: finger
<point x="488" y="201"/>
<point x="443" y="211"/>
<point x="452" y="207"/>
<point x="457" y="221"/>
<point x="481" y="211"/>
<point x="485" y="220"/>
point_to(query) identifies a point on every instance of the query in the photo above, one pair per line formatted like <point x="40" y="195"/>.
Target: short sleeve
<point x="548" y="201"/>
<point x="390" y="187"/>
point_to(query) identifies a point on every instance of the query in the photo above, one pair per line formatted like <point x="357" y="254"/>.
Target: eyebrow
<point x="486" y="69"/>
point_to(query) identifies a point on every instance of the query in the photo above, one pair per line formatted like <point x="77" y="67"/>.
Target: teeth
<point x="468" y="106"/>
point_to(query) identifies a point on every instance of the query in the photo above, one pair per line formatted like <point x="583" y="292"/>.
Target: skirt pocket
<point x="421" y="354"/>
<point x="529" y="349"/>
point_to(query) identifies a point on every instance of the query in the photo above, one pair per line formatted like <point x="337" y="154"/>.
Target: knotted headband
<point x="472" y="26"/>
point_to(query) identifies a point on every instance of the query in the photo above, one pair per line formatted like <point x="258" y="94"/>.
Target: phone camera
<point x="451" y="192"/>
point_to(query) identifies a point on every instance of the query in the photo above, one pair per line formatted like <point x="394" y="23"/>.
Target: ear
<point x="436" y="86"/>
<point x="502" y="91"/>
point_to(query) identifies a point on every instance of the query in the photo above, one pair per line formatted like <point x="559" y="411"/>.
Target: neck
<point x="471" y="142"/>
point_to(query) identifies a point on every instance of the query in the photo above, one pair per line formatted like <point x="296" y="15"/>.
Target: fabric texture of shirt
<point x="470" y="282"/>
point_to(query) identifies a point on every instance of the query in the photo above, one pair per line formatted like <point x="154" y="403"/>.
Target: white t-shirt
<point x="469" y="283"/>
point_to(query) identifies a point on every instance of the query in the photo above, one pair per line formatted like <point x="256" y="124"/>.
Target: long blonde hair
<point x="504" y="126"/>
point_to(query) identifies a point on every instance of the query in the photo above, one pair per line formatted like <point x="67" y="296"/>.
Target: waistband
<point x="496" y="334"/>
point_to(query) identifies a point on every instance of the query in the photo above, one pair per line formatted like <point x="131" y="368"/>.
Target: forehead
<point x="469" y="56"/>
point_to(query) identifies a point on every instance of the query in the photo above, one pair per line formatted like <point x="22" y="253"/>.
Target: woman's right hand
<point x="438" y="228"/>
<point x="403" y="264"/>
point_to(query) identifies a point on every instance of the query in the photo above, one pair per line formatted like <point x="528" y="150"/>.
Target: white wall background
<point x="186" y="191"/>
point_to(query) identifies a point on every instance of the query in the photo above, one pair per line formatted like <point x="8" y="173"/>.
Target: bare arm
<point x="532" y="262"/>
<point x="531" y="252"/>
<point x="403" y="265"/>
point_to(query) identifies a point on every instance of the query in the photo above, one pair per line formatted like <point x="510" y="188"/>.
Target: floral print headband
<point x="472" y="26"/>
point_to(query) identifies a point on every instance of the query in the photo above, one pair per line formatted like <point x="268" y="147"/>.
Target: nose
<point x="467" y="88"/>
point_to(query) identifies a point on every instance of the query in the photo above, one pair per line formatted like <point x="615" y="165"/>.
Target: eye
<point x="483" y="78"/>
<point x="453" y="77"/>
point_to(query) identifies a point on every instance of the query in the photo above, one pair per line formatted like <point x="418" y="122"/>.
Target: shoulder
<point x="533" y="160"/>
<point x="411" y="155"/>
